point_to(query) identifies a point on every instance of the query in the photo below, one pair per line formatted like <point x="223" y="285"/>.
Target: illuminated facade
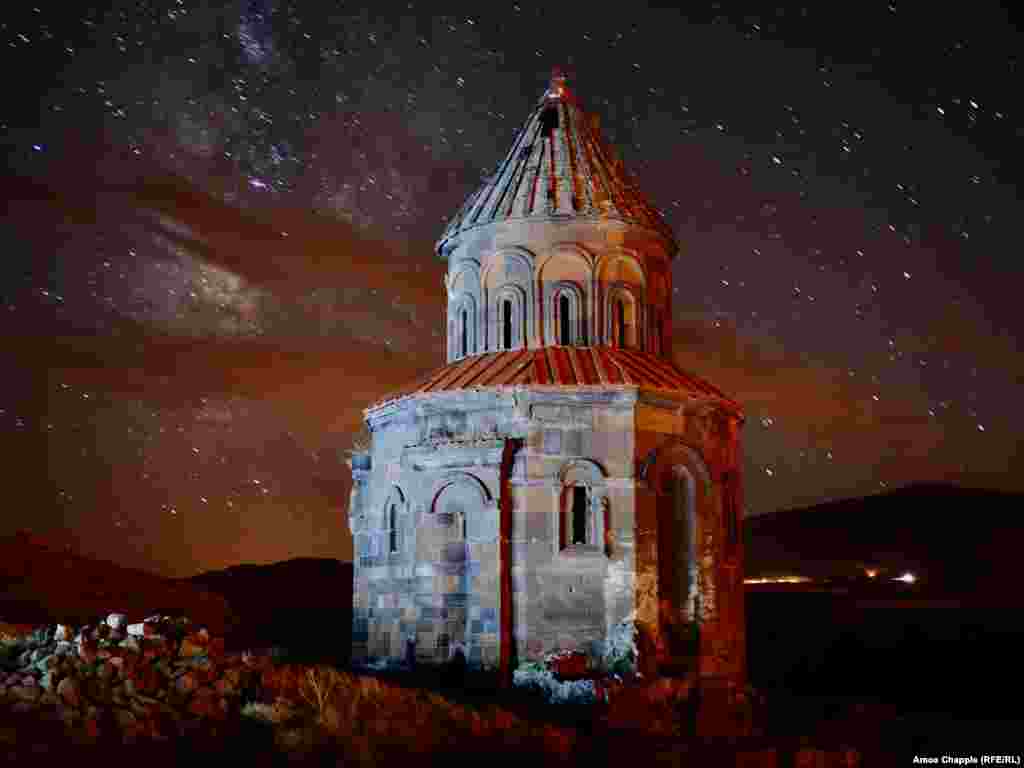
<point x="560" y="482"/>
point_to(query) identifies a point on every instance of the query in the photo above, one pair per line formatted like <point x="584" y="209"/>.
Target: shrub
<point x="620" y="654"/>
<point x="319" y="688"/>
<point x="543" y="683"/>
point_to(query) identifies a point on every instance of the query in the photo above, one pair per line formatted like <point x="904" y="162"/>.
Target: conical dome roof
<point x="559" y="166"/>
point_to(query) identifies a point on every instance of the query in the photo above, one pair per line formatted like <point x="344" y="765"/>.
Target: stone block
<point x="552" y="441"/>
<point x="573" y="442"/>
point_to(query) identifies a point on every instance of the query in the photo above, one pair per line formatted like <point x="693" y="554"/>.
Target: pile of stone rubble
<point x="153" y="680"/>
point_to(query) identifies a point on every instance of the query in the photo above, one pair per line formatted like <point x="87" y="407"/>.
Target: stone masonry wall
<point x="439" y="594"/>
<point x="438" y="458"/>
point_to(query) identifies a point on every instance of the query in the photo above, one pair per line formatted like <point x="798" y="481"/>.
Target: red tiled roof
<point x="559" y="166"/>
<point x="560" y="366"/>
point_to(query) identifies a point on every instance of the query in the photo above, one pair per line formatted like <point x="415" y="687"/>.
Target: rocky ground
<point x="152" y="680"/>
<point x="164" y="691"/>
<point x="165" y="682"/>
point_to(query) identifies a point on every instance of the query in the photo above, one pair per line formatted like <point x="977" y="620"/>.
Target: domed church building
<point x="559" y="485"/>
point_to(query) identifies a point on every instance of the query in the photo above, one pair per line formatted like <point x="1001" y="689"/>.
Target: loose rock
<point x="69" y="692"/>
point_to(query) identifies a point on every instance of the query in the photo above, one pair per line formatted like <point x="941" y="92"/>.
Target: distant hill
<point x="956" y="540"/>
<point x="44" y="583"/>
<point x="304" y="604"/>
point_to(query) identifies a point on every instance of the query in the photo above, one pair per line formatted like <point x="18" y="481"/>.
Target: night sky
<point x="219" y="223"/>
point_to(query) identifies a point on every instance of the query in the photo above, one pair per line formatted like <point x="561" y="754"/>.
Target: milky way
<point x="219" y="226"/>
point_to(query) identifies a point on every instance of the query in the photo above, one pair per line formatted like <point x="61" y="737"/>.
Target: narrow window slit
<point x="579" y="515"/>
<point x="564" y="320"/>
<point x="465" y="333"/>
<point x="506" y="322"/>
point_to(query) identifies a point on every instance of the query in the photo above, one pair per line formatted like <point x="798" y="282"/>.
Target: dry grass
<point x="366" y="719"/>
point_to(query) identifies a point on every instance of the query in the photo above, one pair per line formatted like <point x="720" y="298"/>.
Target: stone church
<point x="559" y="484"/>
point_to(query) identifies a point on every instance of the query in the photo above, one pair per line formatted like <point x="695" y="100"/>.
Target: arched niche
<point x="687" y="535"/>
<point x="582" y="508"/>
<point x="510" y="310"/>
<point x="463" y="326"/>
<point x="566" y="266"/>
<point x="394" y="519"/>
<point x="622" y="282"/>
<point x="565" y="316"/>
<point x="621" y="266"/>
<point x="464" y="320"/>
<point x="624" y="317"/>
<point x="462" y="504"/>
<point x="509" y="272"/>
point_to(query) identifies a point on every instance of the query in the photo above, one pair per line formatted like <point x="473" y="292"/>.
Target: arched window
<point x="506" y="324"/>
<point x="564" y="320"/>
<point x="462" y="321"/>
<point x="564" y="315"/>
<point x="391" y="521"/>
<point x="507" y="319"/>
<point x="583" y="508"/>
<point x="623" y="326"/>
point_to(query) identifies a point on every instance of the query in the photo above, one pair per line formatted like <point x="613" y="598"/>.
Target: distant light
<point x="37" y="147"/>
<point x="906" y="578"/>
<point x="778" y="580"/>
<point x="871" y="572"/>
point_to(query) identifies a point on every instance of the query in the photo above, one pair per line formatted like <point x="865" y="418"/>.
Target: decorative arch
<point x="462" y="502"/>
<point x="622" y="265"/>
<point x="394" y="521"/>
<point x="460" y="505"/>
<point x="464" y="290"/>
<point x="509" y="267"/>
<point x="566" y="266"/>
<point x="510" y="312"/>
<point x="687" y="535"/>
<point x="450" y="478"/>
<point x="624" y="317"/>
<point x="462" y="327"/>
<point x="565" y="315"/>
<point x="583" y="508"/>
<point x="581" y="470"/>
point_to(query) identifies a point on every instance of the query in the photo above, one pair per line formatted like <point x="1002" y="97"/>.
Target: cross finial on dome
<point x="556" y="88"/>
